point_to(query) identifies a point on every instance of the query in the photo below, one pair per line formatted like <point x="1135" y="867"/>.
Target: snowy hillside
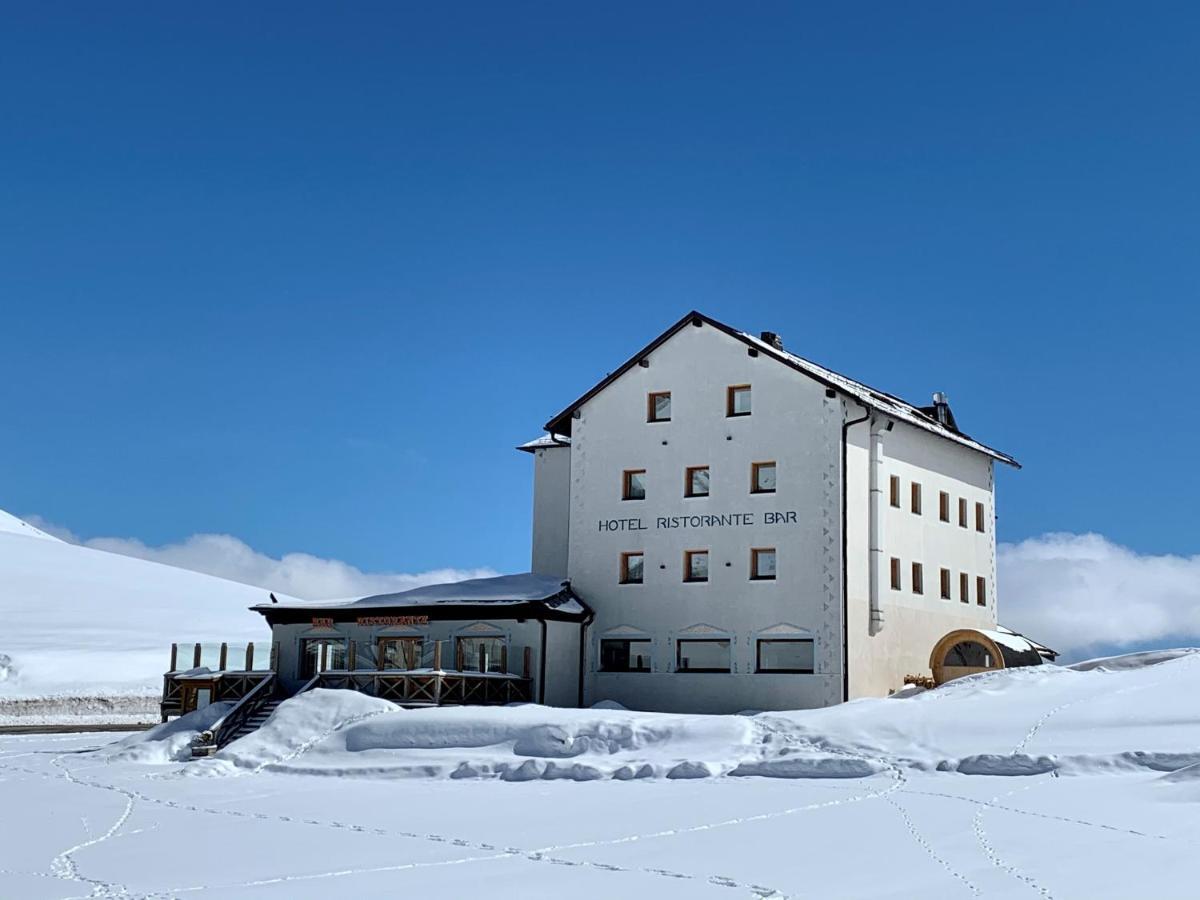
<point x="85" y="622"/>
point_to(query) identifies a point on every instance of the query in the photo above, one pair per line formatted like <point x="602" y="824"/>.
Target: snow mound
<point x="1131" y="716"/>
<point x="169" y="742"/>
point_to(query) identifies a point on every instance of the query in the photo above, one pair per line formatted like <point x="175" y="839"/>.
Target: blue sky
<point x="305" y="275"/>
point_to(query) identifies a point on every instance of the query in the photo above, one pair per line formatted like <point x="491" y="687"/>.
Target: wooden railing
<point x="433" y="688"/>
<point x="222" y="731"/>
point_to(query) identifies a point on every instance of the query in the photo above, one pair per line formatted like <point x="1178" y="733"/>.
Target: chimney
<point x="941" y="411"/>
<point x="770" y="337"/>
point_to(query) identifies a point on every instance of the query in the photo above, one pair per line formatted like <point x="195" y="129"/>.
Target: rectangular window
<point x="964" y="587"/>
<point x="979" y="523"/>
<point x="621" y="655"/>
<point x="762" y="478"/>
<point x="981" y="590"/>
<point x="762" y="564"/>
<point x="895" y="574"/>
<point x="321" y="655"/>
<point x="702" y="656"/>
<point x="945" y="584"/>
<point x="943" y="506"/>
<point x="916" y="498"/>
<point x="400" y="653"/>
<point x="658" y="407"/>
<point x="632" y="567"/>
<point x="480" y="654"/>
<point x="895" y="491"/>
<point x="695" y="565"/>
<point x="918" y="582"/>
<point x="737" y="400"/>
<point x="962" y="512"/>
<point x="785" y="655"/>
<point x="696" y="482"/>
<point x="633" y="484"/>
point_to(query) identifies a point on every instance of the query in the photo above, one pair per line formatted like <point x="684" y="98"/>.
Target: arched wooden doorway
<point x="964" y="652"/>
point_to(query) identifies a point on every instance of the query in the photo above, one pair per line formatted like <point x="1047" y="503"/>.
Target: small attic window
<point x="658" y="407"/>
<point x="737" y="401"/>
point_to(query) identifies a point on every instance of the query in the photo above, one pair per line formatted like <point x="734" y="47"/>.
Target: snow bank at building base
<point x="1122" y="715"/>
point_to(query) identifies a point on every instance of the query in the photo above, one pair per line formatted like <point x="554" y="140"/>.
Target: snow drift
<point x="1123" y="714"/>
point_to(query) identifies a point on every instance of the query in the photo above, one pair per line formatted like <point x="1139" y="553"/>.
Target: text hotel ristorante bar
<point x="706" y="521"/>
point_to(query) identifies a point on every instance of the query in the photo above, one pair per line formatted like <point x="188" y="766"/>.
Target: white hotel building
<point x="718" y="525"/>
<point x="754" y="531"/>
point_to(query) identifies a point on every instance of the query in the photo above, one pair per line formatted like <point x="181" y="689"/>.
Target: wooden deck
<point x="424" y="687"/>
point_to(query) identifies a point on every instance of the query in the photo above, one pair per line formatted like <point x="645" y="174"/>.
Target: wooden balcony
<point x="433" y="687"/>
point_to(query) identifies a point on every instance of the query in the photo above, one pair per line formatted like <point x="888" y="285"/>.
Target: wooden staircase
<point x="255" y="720"/>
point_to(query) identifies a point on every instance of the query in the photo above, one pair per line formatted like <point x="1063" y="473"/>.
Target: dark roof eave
<point x="561" y="423"/>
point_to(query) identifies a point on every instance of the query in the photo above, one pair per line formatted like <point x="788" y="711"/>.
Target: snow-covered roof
<point x="550" y="592"/>
<point x="546" y="440"/>
<point x="864" y="394"/>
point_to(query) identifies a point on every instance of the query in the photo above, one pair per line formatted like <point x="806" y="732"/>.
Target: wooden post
<point x="352" y="656"/>
<point x="196" y="656"/>
<point x="458" y="656"/>
<point x="274" y="664"/>
<point x="437" y="656"/>
<point x="174" y="658"/>
<point x="324" y="656"/>
<point x="224" y="657"/>
<point x="250" y="657"/>
<point x="379" y="645"/>
<point x="527" y="664"/>
<point x="504" y="658"/>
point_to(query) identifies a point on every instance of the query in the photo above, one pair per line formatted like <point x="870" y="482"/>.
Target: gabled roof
<point x="865" y="395"/>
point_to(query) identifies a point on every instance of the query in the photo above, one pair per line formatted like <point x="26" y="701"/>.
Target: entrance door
<point x="321" y="655"/>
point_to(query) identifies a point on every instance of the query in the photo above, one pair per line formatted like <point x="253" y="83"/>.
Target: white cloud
<point x="1076" y="592"/>
<point x="298" y="574"/>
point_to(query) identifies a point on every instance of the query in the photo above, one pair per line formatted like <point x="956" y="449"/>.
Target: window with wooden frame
<point x="762" y="477"/>
<point x="737" y="400"/>
<point x="943" y="506"/>
<point x="399" y="653"/>
<point x="695" y="481"/>
<point x="980" y="524"/>
<point x="658" y="406"/>
<point x="916" y="498"/>
<point x="793" y="655"/>
<point x="964" y="587"/>
<point x="633" y="566"/>
<point x="918" y="578"/>
<point x="894" y="487"/>
<point x="633" y="484"/>
<point x="708" y="655"/>
<point x="695" y="565"/>
<point x="962" y="512"/>
<point x="981" y="590"/>
<point x="762" y="564"/>
<point x="945" y="584"/>
<point x="895" y="574"/>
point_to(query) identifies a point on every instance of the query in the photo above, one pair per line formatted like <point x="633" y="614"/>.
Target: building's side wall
<point x="551" y="510"/>
<point x="913" y="623"/>
<point x="793" y="423"/>
<point x="562" y="663"/>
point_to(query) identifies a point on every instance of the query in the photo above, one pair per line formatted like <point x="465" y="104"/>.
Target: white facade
<point x="820" y="591"/>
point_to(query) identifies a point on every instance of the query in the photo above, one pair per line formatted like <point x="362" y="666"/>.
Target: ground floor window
<point x="625" y="655"/>
<point x="321" y="655"/>
<point x="480" y="654"/>
<point x="400" y="653"/>
<point x="709" y="655"/>
<point x="786" y="655"/>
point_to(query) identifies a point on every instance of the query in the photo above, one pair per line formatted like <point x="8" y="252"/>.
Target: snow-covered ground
<point x="85" y="627"/>
<point x="1051" y="782"/>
